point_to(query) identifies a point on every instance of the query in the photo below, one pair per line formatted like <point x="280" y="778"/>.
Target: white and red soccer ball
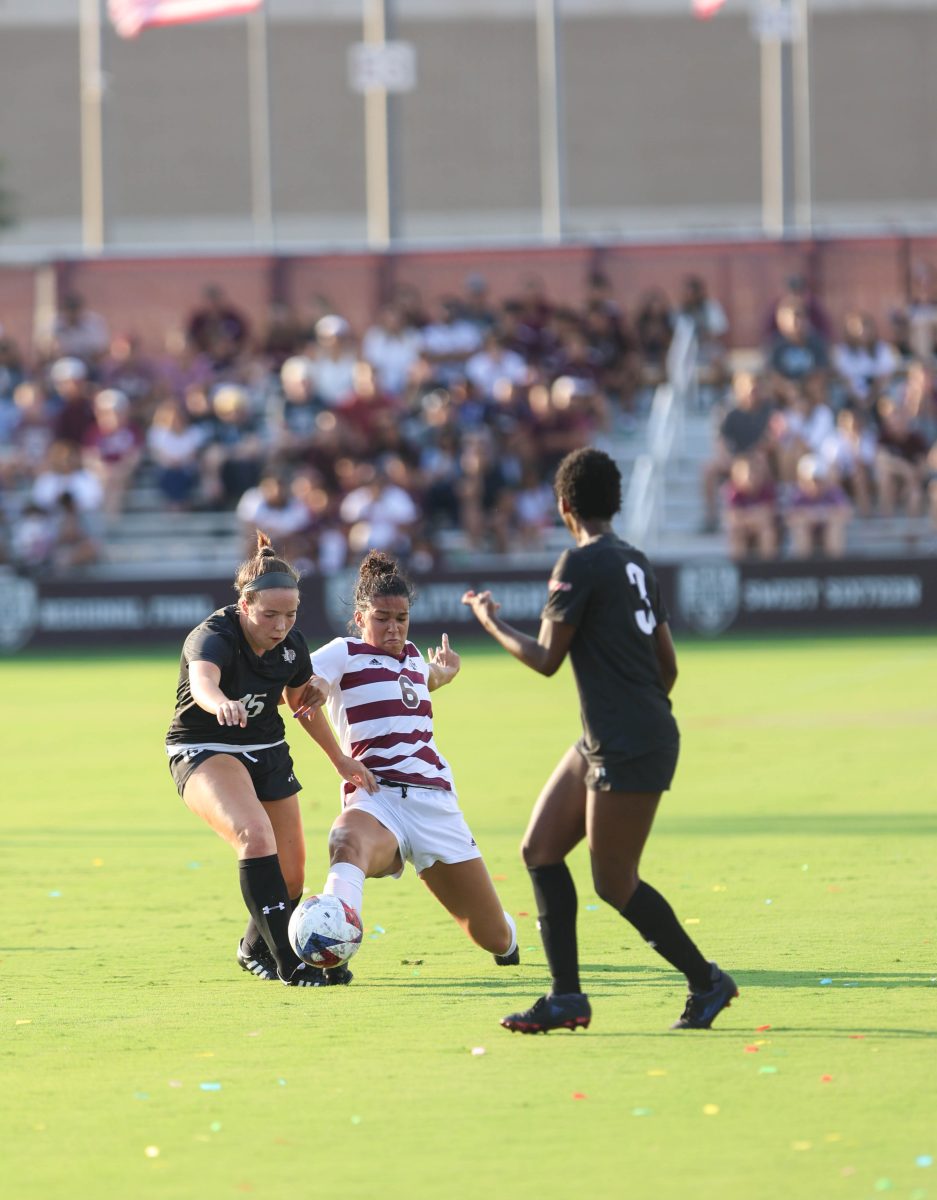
<point x="325" y="931"/>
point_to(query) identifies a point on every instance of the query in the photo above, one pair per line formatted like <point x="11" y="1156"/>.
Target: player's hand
<point x="482" y="604"/>
<point x="353" y="771"/>
<point x="444" y="662"/>
<point x="231" y="712"/>
<point x="315" y="694"/>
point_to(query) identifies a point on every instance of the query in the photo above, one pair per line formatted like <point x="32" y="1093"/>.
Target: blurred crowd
<point x="449" y="415"/>
<point x="829" y="426"/>
<point x="443" y="415"/>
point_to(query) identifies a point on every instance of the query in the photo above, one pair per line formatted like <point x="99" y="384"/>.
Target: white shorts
<point x="428" y="824"/>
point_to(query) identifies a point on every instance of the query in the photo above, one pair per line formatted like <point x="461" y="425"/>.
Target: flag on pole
<point x="130" y="16"/>
<point x="704" y="9"/>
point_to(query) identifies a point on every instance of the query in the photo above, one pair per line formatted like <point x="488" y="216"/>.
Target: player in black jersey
<point x="229" y="757"/>
<point x="605" y="611"/>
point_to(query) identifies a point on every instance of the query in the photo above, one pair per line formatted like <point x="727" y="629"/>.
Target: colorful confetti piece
<point x="657" y="1072"/>
<point x="579" y="1095"/>
<point x="826" y="1078"/>
<point x="883" y="1185"/>
<point x="478" y="1051"/>
<point x="281" y="1083"/>
<point x="824" y="982"/>
<point x="924" y="1160"/>
<point x="97" y="862"/>
<point x="719" y="887"/>
<point x="751" y="1049"/>
<point x="761" y="1028"/>
<point x="151" y="1151"/>
<point x="592" y="908"/>
<point x="215" y="1126"/>
<point x="54" y="895"/>
<point x="24" y="1021"/>
<point x="767" y="1070"/>
<point x="210" y="1087"/>
<point x="711" y="1110"/>
<point x="641" y="1112"/>
<point x="801" y="1145"/>
<point x="356" y="1120"/>
<point x="691" y="921"/>
<point x="175" y="1083"/>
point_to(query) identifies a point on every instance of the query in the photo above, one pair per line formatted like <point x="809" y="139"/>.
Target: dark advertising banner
<point x="708" y="598"/>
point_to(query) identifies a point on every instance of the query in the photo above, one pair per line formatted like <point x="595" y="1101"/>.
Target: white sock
<point x="513" y="927"/>
<point x="347" y="882"/>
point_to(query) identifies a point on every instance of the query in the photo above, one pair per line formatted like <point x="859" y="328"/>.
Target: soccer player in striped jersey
<point x="605" y="611"/>
<point x="406" y="808"/>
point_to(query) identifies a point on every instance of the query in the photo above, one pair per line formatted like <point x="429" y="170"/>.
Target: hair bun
<point x="266" y="552"/>
<point x="377" y="564"/>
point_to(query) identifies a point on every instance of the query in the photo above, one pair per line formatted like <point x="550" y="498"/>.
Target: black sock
<point x="555" y="893"/>
<point x="253" y="938"/>
<point x="268" y="903"/>
<point x="655" y="920"/>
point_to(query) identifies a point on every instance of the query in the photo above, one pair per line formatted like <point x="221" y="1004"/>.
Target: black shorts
<point x="651" y="772"/>
<point x="271" y="771"/>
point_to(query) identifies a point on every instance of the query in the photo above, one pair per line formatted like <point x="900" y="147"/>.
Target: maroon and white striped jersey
<point x="381" y="711"/>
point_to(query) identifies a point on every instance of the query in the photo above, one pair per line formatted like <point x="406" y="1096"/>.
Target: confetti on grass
<point x="924" y="1160"/>
<point x="210" y="1087"/>
<point x="711" y="1110"/>
<point x="579" y="1095"/>
<point x="152" y="1151"/>
<point x="478" y="1051"/>
<point x="761" y="1028"/>
<point x="641" y="1112"/>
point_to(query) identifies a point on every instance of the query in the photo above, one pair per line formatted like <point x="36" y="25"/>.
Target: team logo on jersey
<point x="374" y="662"/>
<point x="289" y="655"/>
<point x="560" y="585"/>
<point x="708" y="595"/>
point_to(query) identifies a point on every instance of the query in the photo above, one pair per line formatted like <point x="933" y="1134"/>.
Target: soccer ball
<point x="325" y="931"/>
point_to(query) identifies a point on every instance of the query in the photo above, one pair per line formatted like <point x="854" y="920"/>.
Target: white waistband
<point x="221" y="747"/>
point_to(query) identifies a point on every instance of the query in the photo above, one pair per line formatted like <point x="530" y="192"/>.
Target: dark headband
<point x="271" y="579"/>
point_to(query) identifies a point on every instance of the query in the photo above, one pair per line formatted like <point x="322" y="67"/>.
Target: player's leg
<point x="618" y="824"/>
<point x="557" y="825"/>
<point x="221" y="792"/>
<point x="360" y="847"/>
<point x="466" y="891"/>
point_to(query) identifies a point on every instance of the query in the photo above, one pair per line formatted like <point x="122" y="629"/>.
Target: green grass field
<point x="799" y="845"/>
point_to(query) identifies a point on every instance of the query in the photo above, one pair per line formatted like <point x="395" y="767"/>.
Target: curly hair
<point x="590" y="483"/>
<point x="379" y="576"/>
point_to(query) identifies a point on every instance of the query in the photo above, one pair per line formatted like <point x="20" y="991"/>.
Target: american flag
<point x="130" y="16"/>
<point x="704" y="9"/>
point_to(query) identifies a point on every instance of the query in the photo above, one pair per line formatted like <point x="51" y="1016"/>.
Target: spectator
<point x="533" y="508"/>
<point x="817" y="512"/>
<point x="483" y="494"/>
<point x="282" y="337"/>
<point x="32" y="538"/>
<point x="392" y="349"/>
<point x="448" y="341"/>
<point x="919" y="400"/>
<point x="613" y="350"/>
<point x="653" y="326"/>
<point x="848" y="453"/>
<point x="862" y="361"/>
<point x="751" y="509"/>
<point x="75" y="417"/>
<point x="217" y="329"/>
<point x="333" y="359"/>
<point x="25" y="447"/>
<point x="379" y="514"/>
<point x="476" y="307"/>
<point x="11" y="368"/>
<point x="362" y="412"/>
<point x="710" y="326"/>
<point x="175" y="444"/>
<point x="293" y="413"/>
<point x="63" y="475"/>
<point x="796" y="351"/>
<point x="742" y="431"/>
<point x="113" y="448"/>
<point x="798" y="292"/>
<point x="803" y="426"/>
<point x="274" y="508"/>
<point x="76" y="332"/>
<point x="127" y="369"/>
<point x="900" y="461"/>
<point x="921" y="311"/>
<point x="493" y="362"/>
<point x="233" y="460"/>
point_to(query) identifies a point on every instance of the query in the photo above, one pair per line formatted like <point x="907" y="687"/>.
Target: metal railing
<point x="642" y="512"/>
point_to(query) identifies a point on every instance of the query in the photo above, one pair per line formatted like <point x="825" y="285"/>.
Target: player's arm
<point x="543" y="654"/>
<point x="308" y="696"/>
<point x="443" y="665"/>
<point x="666" y="656"/>
<point x="205" y="686"/>
<point x="351" y="769"/>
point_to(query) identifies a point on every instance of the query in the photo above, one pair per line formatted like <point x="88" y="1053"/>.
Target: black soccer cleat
<point x="334" y="976"/>
<point x="702" y="1008"/>
<point x="257" y="961"/>
<point x="570" y="1011"/>
<point x="304" y="976"/>
<point x="509" y="960"/>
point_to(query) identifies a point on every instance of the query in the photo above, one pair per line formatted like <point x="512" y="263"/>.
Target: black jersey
<point x="608" y="591"/>
<point x="256" y="680"/>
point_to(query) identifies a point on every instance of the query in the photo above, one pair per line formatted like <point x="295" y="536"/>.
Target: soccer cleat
<point x="570" y="1011"/>
<point x="304" y="976"/>
<point x="336" y="975"/>
<point x="702" y="1008"/>
<point x="509" y="960"/>
<point x="257" y="961"/>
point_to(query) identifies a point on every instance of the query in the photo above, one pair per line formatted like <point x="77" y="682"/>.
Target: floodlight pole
<point x="777" y="153"/>
<point x="258" y="84"/>
<point x="91" y="86"/>
<point x="378" y="129"/>
<point x="803" y="118"/>
<point x="549" y="86"/>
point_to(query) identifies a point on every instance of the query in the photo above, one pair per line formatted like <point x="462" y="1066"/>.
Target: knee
<point x="345" y="845"/>
<point x="255" y="837"/>
<point x="615" y="889"/>
<point x="537" y="852"/>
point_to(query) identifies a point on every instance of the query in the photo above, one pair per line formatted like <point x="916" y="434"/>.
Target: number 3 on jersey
<point x="644" y="617"/>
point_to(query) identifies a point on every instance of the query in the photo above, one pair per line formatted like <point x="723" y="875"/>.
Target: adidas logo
<point x="375" y="662"/>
